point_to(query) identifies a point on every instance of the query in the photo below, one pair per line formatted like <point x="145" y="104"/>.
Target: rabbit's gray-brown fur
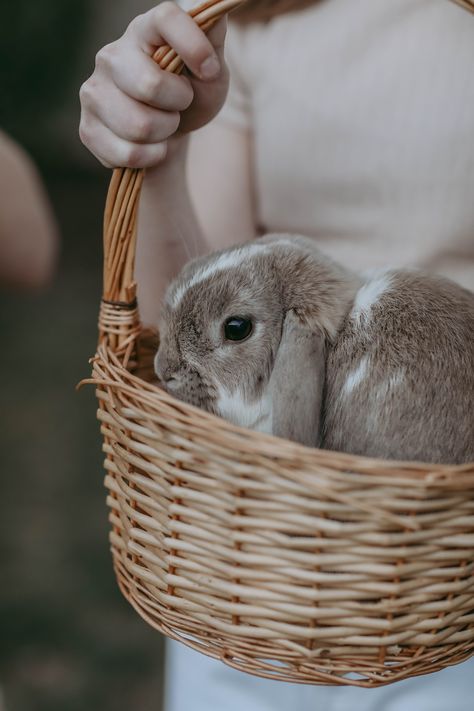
<point x="381" y="366"/>
<point x="400" y="376"/>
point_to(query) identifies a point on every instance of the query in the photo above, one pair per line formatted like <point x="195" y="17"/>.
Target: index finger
<point x="169" y="24"/>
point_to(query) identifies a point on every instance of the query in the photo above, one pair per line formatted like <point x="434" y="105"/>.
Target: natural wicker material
<point x="467" y="4"/>
<point x="283" y="561"/>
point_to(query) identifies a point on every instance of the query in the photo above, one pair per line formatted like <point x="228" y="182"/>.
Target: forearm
<point x="168" y="232"/>
<point x="198" y="200"/>
<point x="28" y="232"/>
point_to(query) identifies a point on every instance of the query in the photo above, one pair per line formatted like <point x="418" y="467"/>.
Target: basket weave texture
<point x="284" y="561"/>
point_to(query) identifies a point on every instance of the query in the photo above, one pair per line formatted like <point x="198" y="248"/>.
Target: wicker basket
<point x="283" y="561"/>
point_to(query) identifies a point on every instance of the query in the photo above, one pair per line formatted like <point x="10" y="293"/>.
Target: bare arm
<point x="220" y="178"/>
<point x="28" y="233"/>
<point x="199" y="201"/>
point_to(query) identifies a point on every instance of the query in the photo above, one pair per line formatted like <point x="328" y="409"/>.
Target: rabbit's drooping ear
<point x="318" y="290"/>
<point x="296" y="383"/>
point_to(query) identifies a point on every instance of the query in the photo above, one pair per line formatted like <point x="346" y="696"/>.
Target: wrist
<point x="173" y="167"/>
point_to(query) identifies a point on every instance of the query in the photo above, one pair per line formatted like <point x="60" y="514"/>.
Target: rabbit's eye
<point x="237" y="328"/>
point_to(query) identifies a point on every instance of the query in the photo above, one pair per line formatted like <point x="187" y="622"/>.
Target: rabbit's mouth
<point x="190" y="388"/>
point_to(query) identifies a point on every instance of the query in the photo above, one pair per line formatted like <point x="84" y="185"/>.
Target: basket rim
<point x="413" y="471"/>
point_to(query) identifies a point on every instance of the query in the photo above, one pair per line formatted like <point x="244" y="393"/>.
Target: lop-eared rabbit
<point x="273" y="335"/>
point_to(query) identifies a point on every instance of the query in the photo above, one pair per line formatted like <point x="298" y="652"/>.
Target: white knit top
<point x="361" y="114"/>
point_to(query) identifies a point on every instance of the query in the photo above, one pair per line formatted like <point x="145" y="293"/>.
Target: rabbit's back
<point x="400" y="376"/>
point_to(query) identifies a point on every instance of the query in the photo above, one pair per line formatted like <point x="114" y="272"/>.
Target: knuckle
<point x="105" y="56"/>
<point x="133" y="156"/>
<point x="144" y="156"/>
<point x="88" y="95"/>
<point x="84" y="132"/>
<point x="142" y="126"/>
<point x="149" y="85"/>
<point x="89" y="140"/>
<point x="165" y="10"/>
<point x="135" y="23"/>
<point x="85" y="93"/>
<point x="101" y="58"/>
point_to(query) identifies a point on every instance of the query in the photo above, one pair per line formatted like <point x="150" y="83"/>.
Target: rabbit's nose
<point x="172" y="380"/>
<point x="167" y="373"/>
<point x="165" y="368"/>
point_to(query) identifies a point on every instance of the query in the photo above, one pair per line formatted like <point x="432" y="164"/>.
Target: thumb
<point x="216" y="35"/>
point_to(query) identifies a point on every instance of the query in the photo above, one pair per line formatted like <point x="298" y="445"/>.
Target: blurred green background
<point x="68" y="641"/>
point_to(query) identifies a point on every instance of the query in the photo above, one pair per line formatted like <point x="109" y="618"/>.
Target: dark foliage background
<point x="68" y="641"/>
<point x="40" y="44"/>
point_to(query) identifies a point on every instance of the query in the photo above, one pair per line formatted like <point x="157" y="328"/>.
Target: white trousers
<point x="197" y="683"/>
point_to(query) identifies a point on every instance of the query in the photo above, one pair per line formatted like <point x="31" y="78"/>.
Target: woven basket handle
<point x="118" y="321"/>
<point x="466" y="4"/>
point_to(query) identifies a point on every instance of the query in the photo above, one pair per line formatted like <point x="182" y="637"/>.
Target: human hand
<point x="133" y="111"/>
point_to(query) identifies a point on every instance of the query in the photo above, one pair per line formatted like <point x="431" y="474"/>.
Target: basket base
<point x="364" y="670"/>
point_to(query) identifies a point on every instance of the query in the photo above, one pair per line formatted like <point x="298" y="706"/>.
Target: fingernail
<point x="210" y="68"/>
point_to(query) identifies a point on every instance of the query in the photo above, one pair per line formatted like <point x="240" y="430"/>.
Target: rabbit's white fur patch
<point x="393" y="381"/>
<point x="224" y="262"/>
<point x="356" y="376"/>
<point x="255" y="415"/>
<point x="368" y="295"/>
